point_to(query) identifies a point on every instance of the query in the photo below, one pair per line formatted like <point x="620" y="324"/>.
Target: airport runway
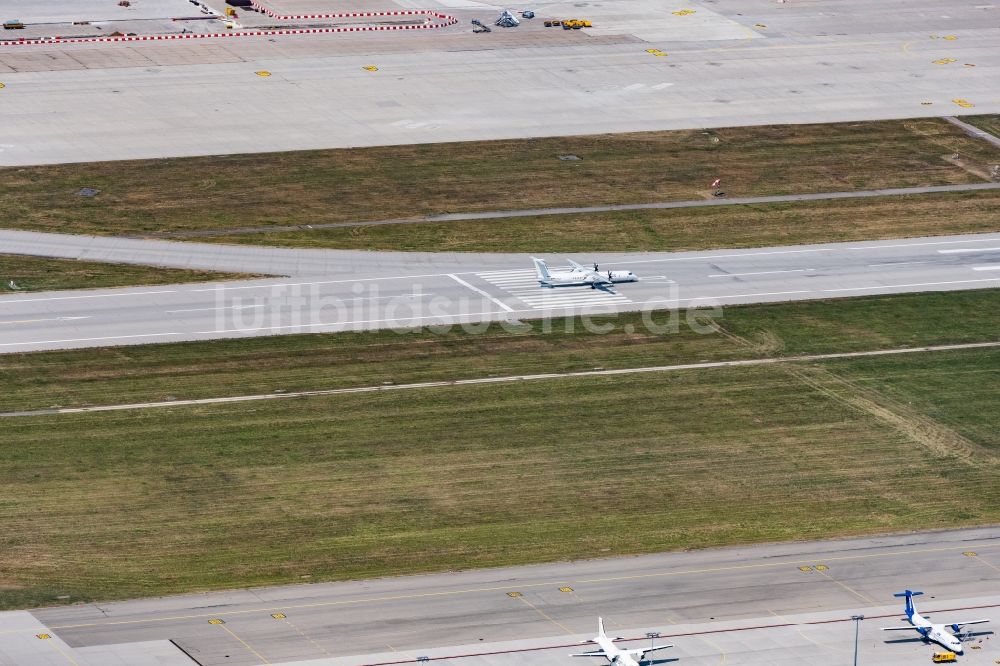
<point x="776" y="605"/>
<point x="336" y="290"/>
<point x="724" y="63"/>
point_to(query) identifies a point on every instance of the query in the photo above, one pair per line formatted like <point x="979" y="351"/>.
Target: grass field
<point x="990" y="123"/>
<point x="303" y="362"/>
<point x="39" y="273"/>
<point x="669" y="230"/>
<point x="136" y="504"/>
<point x="312" y="187"/>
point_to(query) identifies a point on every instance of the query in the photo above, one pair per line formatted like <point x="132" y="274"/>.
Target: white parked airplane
<point x="613" y="654"/>
<point x="936" y="633"/>
<point x="581" y="276"/>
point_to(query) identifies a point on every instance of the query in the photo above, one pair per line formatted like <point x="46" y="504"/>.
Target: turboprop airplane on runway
<point x="935" y="633"/>
<point x="581" y="276"/>
<point x="613" y="654"/>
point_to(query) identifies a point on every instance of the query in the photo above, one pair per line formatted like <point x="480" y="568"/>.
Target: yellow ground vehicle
<point x="944" y="657"/>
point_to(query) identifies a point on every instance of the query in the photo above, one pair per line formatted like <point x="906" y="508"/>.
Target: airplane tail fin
<point x="909" y="594"/>
<point x="541" y="269"/>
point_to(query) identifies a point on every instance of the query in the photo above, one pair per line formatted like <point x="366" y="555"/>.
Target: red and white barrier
<point x="443" y="20"/>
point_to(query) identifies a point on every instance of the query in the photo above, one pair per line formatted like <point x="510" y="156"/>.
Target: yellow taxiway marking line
<point x="307" y="637"/>
<point x="546" y="615"/>
<point x="400" y="652"/>
<point x="472" y="590"/>
<point x="989" y="564"/>
<point x="863" y="597"/>
<point x="68" y="657"/>
<point x="245" y="644"/>
<point x="798" y="630"/>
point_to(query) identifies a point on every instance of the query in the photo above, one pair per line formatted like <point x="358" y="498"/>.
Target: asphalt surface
<point x="569" y="210"/>
<point x="335" y="290"/>
<point x="726" y="63"/>
<point x="777" y="604"/>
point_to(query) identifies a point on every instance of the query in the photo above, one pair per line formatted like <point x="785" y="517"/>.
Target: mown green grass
<point x="40" y="273"/>
<point x="312" y="187"/>
<point x="102" y="506"/>
<point x="670" y="230"/>
<point x="989" y="123"/>
<point x="303" y="362"/>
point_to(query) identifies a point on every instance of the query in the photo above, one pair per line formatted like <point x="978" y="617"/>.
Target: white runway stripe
<point x="523" y="285"/>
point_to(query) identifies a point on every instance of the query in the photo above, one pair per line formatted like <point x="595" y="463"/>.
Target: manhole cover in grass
<point x="88" y="192"/>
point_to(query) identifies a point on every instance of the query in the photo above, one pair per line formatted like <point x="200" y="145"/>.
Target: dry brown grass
<point x="312" y="187"/>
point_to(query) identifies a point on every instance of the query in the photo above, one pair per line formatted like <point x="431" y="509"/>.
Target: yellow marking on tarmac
<point x="656" y="52"/>
<point x="263" y="73"/>
<point x="989" y="564"/>
<point x="944" y="61"/>
<point x="684" y="12"/>
<point x="216" y="621"/>
<point x="851" y="590"/>
<point x="515" y="595"/>
<point x="805" y="568"/>
<point x="370" y="68"/>
<point x="546" y="616"/>
<point x="2" y="86"/>
<point x="473" y="590"/>
<point x="970" y="553"/>
<point x="245" y="644"/>
<point x="44" y="637"/>
<point x="303" y="634"/>
<point x="964" y="103"/>
<point x="822" y="567"/>
<point x="68" y="657"/>
<point x="798" y="630"/>
<point x="402" y="652"/>
<point x="565" y="589"/>
<point x="950" y="38"/>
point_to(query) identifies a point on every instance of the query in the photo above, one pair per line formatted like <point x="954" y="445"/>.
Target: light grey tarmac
<point x="336" y="290"/>
<point x="707" y="602"/>
<point x="731" y="62"/>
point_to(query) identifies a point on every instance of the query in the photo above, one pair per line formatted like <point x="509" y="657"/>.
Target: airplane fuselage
<point x="936" y="633"/>
<point x="579" y="279"/>
<point x="615" y="655"/>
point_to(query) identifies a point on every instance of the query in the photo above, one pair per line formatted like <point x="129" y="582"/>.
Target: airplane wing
<point x="899" y="628"/>
<point x="592" y="653"/>
<point x="968" y="622"/>
<point x="641" y="652"/>
<point x="597" y="278"/>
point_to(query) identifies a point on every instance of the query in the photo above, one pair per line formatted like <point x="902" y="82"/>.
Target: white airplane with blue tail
<point x="613" y="654"/>
<point x="934" y="633"/>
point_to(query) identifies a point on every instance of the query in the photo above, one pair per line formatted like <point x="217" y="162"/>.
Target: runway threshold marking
<point x="482" y="293"/>
<point x="549" y="583"/>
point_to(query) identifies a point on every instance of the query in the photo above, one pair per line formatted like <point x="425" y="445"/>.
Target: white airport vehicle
<point x="580" y="276"/>
<point x="614" y="654"/>
<point x="932" y="633"/>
